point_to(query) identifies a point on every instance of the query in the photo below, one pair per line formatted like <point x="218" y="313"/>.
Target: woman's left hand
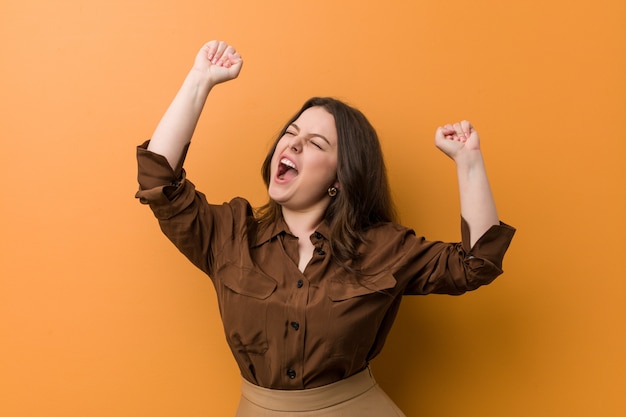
<point x="460" y="142"/>
<point x="457" y="139"/>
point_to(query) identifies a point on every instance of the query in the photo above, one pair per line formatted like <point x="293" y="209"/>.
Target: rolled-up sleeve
<point x="454" y="268"/>
<point x="198" y="229"/>
<point x="488" y="251"/>
<point x="159" y="183"/>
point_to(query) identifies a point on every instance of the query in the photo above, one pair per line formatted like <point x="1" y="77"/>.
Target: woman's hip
<point x="358" y="395"/>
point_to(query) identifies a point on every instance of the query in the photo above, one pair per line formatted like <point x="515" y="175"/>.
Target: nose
<point x="295" y="144"/>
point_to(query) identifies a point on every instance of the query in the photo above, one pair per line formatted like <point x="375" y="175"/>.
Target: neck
<point x="302" y="223"/>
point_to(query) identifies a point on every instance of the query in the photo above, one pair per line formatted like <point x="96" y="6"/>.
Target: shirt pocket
<point x="356" y="312"/>
<point x="345" y="290"/>
<point x="244" y="306"/>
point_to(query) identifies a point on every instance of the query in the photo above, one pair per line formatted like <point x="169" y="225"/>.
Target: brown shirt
<point x="294" y="330"/>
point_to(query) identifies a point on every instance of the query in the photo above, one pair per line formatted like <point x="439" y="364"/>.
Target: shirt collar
<point x="276" y="228"/>
<point x="280" y="227"/>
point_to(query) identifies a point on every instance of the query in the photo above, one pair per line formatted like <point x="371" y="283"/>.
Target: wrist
<point x="200" y="80"/>
<point x="469" y="160"/>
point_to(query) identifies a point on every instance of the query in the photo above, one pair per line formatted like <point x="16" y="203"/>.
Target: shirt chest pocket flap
<point x="247" y="281"/>
<point x="345" y="290"/>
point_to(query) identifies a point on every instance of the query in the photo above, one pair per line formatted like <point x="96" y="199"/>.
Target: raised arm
<point x="461" y="143"/>
<point x="216" y="62"/>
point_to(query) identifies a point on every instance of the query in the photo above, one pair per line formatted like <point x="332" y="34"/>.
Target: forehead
<point x="317" y="121"/>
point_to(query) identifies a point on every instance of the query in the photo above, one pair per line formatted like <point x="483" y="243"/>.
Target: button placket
<point x="317" y="240"/>
<point x="294" y="327"/>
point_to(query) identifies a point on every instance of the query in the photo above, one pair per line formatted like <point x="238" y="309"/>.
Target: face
<point x="304" y="163"/>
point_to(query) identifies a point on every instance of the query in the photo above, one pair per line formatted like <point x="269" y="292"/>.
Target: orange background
<point x="100" y="315"/>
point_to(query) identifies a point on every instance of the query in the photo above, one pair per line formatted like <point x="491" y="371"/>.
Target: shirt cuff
<point x="491" y="246"/>
<point x="159" y="184"/>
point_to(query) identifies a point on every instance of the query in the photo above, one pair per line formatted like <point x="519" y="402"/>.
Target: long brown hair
<point x="364" y="198"/>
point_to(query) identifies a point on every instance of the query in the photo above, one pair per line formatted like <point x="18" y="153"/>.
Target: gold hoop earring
<point x="332" y="191"/>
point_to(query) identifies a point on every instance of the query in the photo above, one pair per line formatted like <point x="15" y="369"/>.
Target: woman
<point x="309" y="285"/>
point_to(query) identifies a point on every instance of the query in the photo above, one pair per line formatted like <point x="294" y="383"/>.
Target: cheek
<point x="332" y="165"/>
<point x="273" y="165"/>
<point x="327" y="168"/>
<point x="274" y="162"/>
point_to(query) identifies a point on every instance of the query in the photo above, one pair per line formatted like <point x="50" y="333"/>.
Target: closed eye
<point x="316" y="144"/>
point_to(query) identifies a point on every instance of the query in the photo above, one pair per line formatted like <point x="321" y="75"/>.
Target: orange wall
<point x="99" y="314"/>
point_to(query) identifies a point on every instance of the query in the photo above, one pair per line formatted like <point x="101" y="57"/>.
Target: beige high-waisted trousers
<point x="358" y="396"/>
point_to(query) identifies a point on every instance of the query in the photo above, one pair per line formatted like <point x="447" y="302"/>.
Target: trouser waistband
<point x="309" y="399"/>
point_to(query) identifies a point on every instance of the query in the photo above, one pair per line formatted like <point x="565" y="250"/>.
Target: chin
<point x="276" y="198"/>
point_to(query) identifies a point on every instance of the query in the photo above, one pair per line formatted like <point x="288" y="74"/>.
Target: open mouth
<point x="286" y="169"/>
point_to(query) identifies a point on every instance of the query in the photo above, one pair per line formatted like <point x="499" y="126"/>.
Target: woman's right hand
<point x="218" y="61"/>
<point x="215" y="63"/>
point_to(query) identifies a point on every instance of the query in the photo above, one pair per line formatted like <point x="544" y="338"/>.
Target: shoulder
<point x="388" y="242"/>
<point x="238" y="208"/>
<point x="240" y="204"/>
<point x="388" y="231"/>
<point x="386" y="248"/>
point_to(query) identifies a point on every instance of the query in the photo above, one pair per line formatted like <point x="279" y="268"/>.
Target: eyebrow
<point x="313" y="134"/>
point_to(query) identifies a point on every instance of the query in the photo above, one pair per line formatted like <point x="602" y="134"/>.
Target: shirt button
<point x="295" y="325"/>
<point x="300" y="283"/>
<point x="291" y="374"/>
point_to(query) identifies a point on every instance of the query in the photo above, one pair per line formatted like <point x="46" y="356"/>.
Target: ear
<point x="336" y="185"/>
